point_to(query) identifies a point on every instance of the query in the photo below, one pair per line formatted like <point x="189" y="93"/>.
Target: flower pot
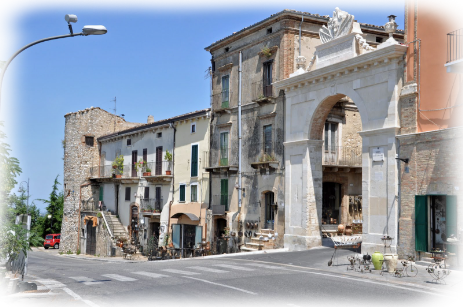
<point x="168" y="172"/>
<point x="146" y="174"/>
<point x="348" y="231"/>
<point x="377" y="258"/>
<point x="118" y="176"/>
<point x="391" y="262"/>
<point x="340" y="228"/>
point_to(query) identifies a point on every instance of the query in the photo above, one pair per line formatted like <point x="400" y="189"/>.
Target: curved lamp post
<point x="86" y="30"/>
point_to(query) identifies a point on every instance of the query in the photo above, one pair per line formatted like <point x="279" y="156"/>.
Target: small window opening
<point x="159" y="135"/>
<point x="129" y="142"/>
<point x="227" y="49"/>
<point x="269" y="31"/>
<point x="193" y="128"/>
<point x="379" y="39"/>
<point x="89" y="140"/>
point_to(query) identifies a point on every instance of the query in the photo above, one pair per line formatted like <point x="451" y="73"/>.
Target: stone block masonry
<point x="81" y="152"/>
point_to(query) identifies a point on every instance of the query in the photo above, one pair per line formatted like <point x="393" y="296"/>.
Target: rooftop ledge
<point x="455" y="66"/>
<point x="373" y="58"/>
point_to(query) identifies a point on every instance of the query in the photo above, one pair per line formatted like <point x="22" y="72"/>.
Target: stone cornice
<point x="375" y="132"/>
<point x="303" y="142"/>
<point x="364" y="61"/>
<point x="224" y="125"/>
<point x="269" y="115"/>
<point x="225" y="67"/>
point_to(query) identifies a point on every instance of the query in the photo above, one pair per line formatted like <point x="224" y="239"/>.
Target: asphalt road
<point x="276" y="279"/>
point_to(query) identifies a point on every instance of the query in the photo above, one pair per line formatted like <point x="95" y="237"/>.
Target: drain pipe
<point x="240" y="191"/>
<point x="171" y="125"/>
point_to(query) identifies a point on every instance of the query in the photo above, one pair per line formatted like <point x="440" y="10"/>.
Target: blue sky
<point x="152" y="59"/>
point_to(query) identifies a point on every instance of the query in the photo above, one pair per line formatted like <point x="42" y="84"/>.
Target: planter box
<point x="146" y="174"/>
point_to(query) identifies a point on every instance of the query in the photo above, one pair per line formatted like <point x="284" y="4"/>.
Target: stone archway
<point x="373" y="81"/>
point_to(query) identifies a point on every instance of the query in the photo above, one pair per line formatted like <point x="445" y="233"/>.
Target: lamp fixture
<point x="405" y="160"/>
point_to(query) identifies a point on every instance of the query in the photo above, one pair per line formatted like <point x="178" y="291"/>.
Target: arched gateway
<point x="344" y="65"/>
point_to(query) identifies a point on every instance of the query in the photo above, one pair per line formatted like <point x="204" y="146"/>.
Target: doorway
<point x="158" y="169"/>
<point x="269" y="210"/>
<point x="331" y="203"/>
<point x="134" y="161"/>
<point x="91" y="238"/>
<point x="134" y="224"/>
<point x="117" y="200"/>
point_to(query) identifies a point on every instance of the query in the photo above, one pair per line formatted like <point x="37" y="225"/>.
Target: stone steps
<point x="257" y="244"/>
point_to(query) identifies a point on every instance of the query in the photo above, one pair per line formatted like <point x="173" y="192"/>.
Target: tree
<point x="9" y="170"/>
<point x="55" y="209"/>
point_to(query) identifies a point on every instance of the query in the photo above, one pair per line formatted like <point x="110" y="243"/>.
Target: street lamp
<point x="51" y="220"/>
<point x="21" y="189"/>
<point x="86" y="30"/>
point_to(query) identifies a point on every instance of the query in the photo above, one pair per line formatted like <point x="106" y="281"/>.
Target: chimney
<point x="150" y="119"/>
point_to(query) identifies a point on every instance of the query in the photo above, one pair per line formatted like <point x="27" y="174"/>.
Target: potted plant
<point x="146" y="169"/>
<point x="118" y="166"/>
<point x="168" y="158"/>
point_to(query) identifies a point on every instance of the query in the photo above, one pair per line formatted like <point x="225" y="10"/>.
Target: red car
<point x="52" y="240"/>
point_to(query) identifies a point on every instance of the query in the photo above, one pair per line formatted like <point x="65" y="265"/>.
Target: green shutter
<point x="225" y="91"/>
<point x="182" y="192"/>
<point x="224" y="149"/>
<point x="176" y="235"/>
<point x="451" y="219"/>
<point x="101" y="193"/>
<point x="421" y="223"/>
<point x="199" y="234"/>
<point x="224" y="193"/>
<point x="194" y="161"/>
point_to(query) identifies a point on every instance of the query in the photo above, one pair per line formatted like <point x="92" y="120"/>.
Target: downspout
<point x="171" y="124"/>
<point x="240" y="191"/>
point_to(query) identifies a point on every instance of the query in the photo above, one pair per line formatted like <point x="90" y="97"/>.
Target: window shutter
<point x="147" y="193"/>
<point x="145" y="154"/>
<point x="268" y="139"/>
<point x="176" y="235"/>
<point x="225" y="91"/>
<point x="224" y="193"/>
<point x="127" y="193"/>
<point x="194" y="161"/>
<point x="101" y="193"/>
<point x="421" y="223"/>
<point x="224" y="149"/>
<point x="182" y="192"/>
<point x="451" y="218"/>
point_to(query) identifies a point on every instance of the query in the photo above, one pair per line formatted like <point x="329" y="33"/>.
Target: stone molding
<point x="269" y="115"/>
<point x="364" y="61"/>
<point x="225" y="67"/>
<point x="303" y="142"/>
<point x="375" y="132"/>
<point x="409" y="89"/>
<point x="224" y="125"/>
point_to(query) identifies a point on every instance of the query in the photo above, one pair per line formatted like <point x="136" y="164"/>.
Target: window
<point x="129" y="142"/>
<point x="193" y="128"/>
<point x="101" y="193"/>
<point x="159" y="135"/>
<point x="146" y="194"/>
<point x="268" y="139"/>
<point x="213" y="66"/>
<point x="89" y="140"/>
<point x="182" y="193"/>
<point x="118" y="153"/>
<point x="224" y="149"/>
<point x="224" y="193"/>
<point x="145" y="155"/>
<point x="267" y="78"/>
<point x="127" y="193"/>
<point x="227" y="49"/>
<point x="379" y="39"/>
<point x="331" y="132"/>
<point x="194" y="193"/>
<point x="225" y="91"/>
<point x="194" y="160"/>
<point x="269" y="31"/>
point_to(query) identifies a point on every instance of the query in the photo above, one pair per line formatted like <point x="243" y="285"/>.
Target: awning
<point x="192" y="216"/>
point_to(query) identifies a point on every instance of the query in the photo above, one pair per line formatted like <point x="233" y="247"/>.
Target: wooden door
<point x="159" y="161"/>
<point x="158" y="198"/>
<point x="91" y="238"/>
<point x="134" y="160"/>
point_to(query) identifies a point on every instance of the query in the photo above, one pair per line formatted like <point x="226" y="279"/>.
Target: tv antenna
<point x="114" y="105"/>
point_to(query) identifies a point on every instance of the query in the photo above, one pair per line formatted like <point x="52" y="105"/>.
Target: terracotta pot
<point x="377" y="258"/>
<point x="341" y="228"/>
<point x="348" y="232"/>
<point x="118" y="176"/>
<point x="147" y="174"/>
<point x="168" y="172"/>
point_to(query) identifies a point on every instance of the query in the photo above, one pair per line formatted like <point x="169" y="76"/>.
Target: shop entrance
<point x="331" y="203"/>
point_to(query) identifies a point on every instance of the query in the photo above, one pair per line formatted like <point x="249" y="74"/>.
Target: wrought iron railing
<point x="455" y="45"/>
<point x="158" y="168"/>
<point x="264" y="152"/>
<point x="261" y="90"/>
<point x="221" y="200"/>
<point x="90" y="205"/>
<point x="221" y="100"/>
<point x="342" y="155"/>
<point x="131" y="170"/>
<point x="101" y="171"/>
<point x="151" y="204"/>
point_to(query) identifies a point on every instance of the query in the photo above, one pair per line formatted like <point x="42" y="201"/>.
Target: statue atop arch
<point x="339" y="25"/>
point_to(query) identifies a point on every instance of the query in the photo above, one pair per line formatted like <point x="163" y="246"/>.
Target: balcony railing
<point x="264" y="152"/>
<point x="90" y="205"/>
<point x="454" y="45"/>
<point x="221" y="200"/>
<point x="158" y="168"/>
<point x="101" y="171"/>
<point x="131" y="171"/>
<point x="151" y="204"/>
<point x="221" y="101"/>
<point x="342" y="155"/>
<point x="260" y="90"/>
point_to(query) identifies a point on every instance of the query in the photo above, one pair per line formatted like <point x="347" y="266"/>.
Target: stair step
<point x="254" y="245"/>
<point x="248" y="249"/>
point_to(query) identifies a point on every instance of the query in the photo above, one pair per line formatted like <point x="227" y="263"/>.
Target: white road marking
<point x="119" y="277"/>
<point x="265" y="266"/>
<point x="180" y="272"/>
<point x="86" y="280"/>
<point x="152" y="275"/>
<point x="51" y="284"/>
<point x="229" y="266"/>
<point x="200" y="268"/>
<point x="78" y="298"/>
<point x="221" y="285"/>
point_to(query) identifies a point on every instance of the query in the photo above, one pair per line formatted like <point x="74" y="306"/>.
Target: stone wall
<point x="78" y="159"/>
<point x="434" y="168"/>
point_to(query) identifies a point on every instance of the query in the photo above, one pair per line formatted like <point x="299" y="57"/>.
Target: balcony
<point x="220" y="204"/>
<point x="455" y="52"/>
<point x="160" y="172"/>
<point x="221" y="102"/>
<point x="89" y="206"/>
<point x="224" y="163"/>
<point x="151" y="206"/>
<point x="266" y="155"/>
<point x="344" y="157"/>
<point x="263" y="93"/>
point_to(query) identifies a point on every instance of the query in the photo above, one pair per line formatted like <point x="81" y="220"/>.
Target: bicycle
<point x="408" y="268"/>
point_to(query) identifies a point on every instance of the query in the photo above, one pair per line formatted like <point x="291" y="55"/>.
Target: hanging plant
<point x="266" y="51"/>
